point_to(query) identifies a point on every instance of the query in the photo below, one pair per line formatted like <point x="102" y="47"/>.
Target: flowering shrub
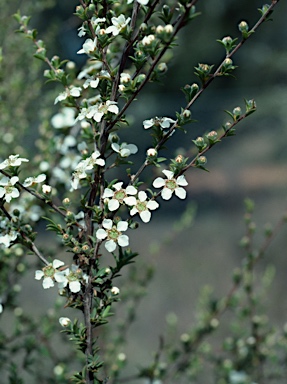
<point x="125" y="46"/>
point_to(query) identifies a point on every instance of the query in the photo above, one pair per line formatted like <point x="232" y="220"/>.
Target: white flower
<point x="34" y="180"/>
<point x="64" y="321"/>
<point x="171" y="185"/>
<point x="91" y="82"/>
<point x="7" y="239"/>
<point x="86" y="165"/>
<point x="125" y="149"/>
<point x="87" y="71"/>
<point x="143" y="207"/>
<point x="99" y="110"/>
<point x="8" y="190"/>
<point x="163" y="122"/>
<point x="119" y="23"/>
<point x="50" y="273"/>
<point x="119" y="196"/>
<point x="89" y="46"/>
<point x="72" y="278"/>
<point x="65" y="118"/>
<point x="74" y="92"/>
<point x="113" y="234"/>
<point x="115" y="291"/>
<point x="12" y="161"/>
<point x="97" y="20"/>
<point x="46" y="188"/>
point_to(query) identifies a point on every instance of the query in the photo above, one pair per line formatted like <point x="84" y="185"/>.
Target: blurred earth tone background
<point x="253" y="164"/>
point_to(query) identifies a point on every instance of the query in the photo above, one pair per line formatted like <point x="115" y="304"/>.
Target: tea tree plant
<point x="84" y="183"/>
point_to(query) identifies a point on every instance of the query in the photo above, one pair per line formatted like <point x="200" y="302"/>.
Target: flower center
<point x="9" y="189"/>
<point x="171" y="184"/>
<point x="141" y="206"/>
<point x="103" y="108"/>
<point x="120" y="195"/>
<point x="113" y="234"/>
<point x="72" y="276"/>
<point x="49" y="271"/>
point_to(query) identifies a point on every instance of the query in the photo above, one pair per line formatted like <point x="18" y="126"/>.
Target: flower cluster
<point x="71" y="277"/>
<point x="12" y="161"/>
<point x="84" y="166"/>
<point x="97" y="111"/>
<point x="7" y="189"/>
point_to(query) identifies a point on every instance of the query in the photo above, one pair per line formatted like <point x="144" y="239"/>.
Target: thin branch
<point x="199" y="93"/>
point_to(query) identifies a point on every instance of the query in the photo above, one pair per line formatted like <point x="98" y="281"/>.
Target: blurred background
<point x="253" y="164"/>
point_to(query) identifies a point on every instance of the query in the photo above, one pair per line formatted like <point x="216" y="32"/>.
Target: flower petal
<point x="158" y="182"/>
<point x="181" y="181"/>
<point x="152" y="204"/>
<point x="113" y="205"/>
<point x="48" y="282"/>
<point x="110" y="245"/>
<point x="166" y="193"/>
<point x="39" y="275"/>
<point x="145" y="216"/>
<point x="123" y="240"/>
<point x="122" y="226"/>
<point x="180" y="192"/>
<point x="57" y="263"/>
<point x="168" y="173"/>
<point x="75" y="286"/>
<point x="107" y="223"/>
<point x="101" y="234"/>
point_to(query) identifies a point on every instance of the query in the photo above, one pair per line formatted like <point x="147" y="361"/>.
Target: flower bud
<point x="162" y="67"/>
<point x="143" y="27"/>
<point x="243" y="27"/>
<point x="115" y="291"/>
<point x="228" y="61"/>
<point x="147" y="40"/>
<point x="168" y="28"/>
<point x="102" y="32"/>
<point x="70" y="65"/>
<point x="186" y="113"/>
<point x="66" y="201"/>
<point x="202" y="160"/>
<point x="125" y="78"/>
<point x="152" y="152"/>
<point x="227" y="40"/>
<point x="159" y="29"/>
<point x="46" y="189"/>
<point x="64" y="321"/>
<point x="212" y="135"/>
<point x="179" y="159"/>
<point x="237" y="111"/>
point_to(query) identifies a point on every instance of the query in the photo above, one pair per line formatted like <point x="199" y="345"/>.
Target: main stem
<point x="89" y="330"/>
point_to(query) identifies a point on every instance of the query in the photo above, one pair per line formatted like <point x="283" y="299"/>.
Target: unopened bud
<point x="159" y="29"/>
<point x="179" y="159"/>
<point x="243" y="26"/>
<point x="168" y="28"/>
<point x="151" y="152"/>
<point x="237" y="111"/>
<point x="186" y="113"/>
